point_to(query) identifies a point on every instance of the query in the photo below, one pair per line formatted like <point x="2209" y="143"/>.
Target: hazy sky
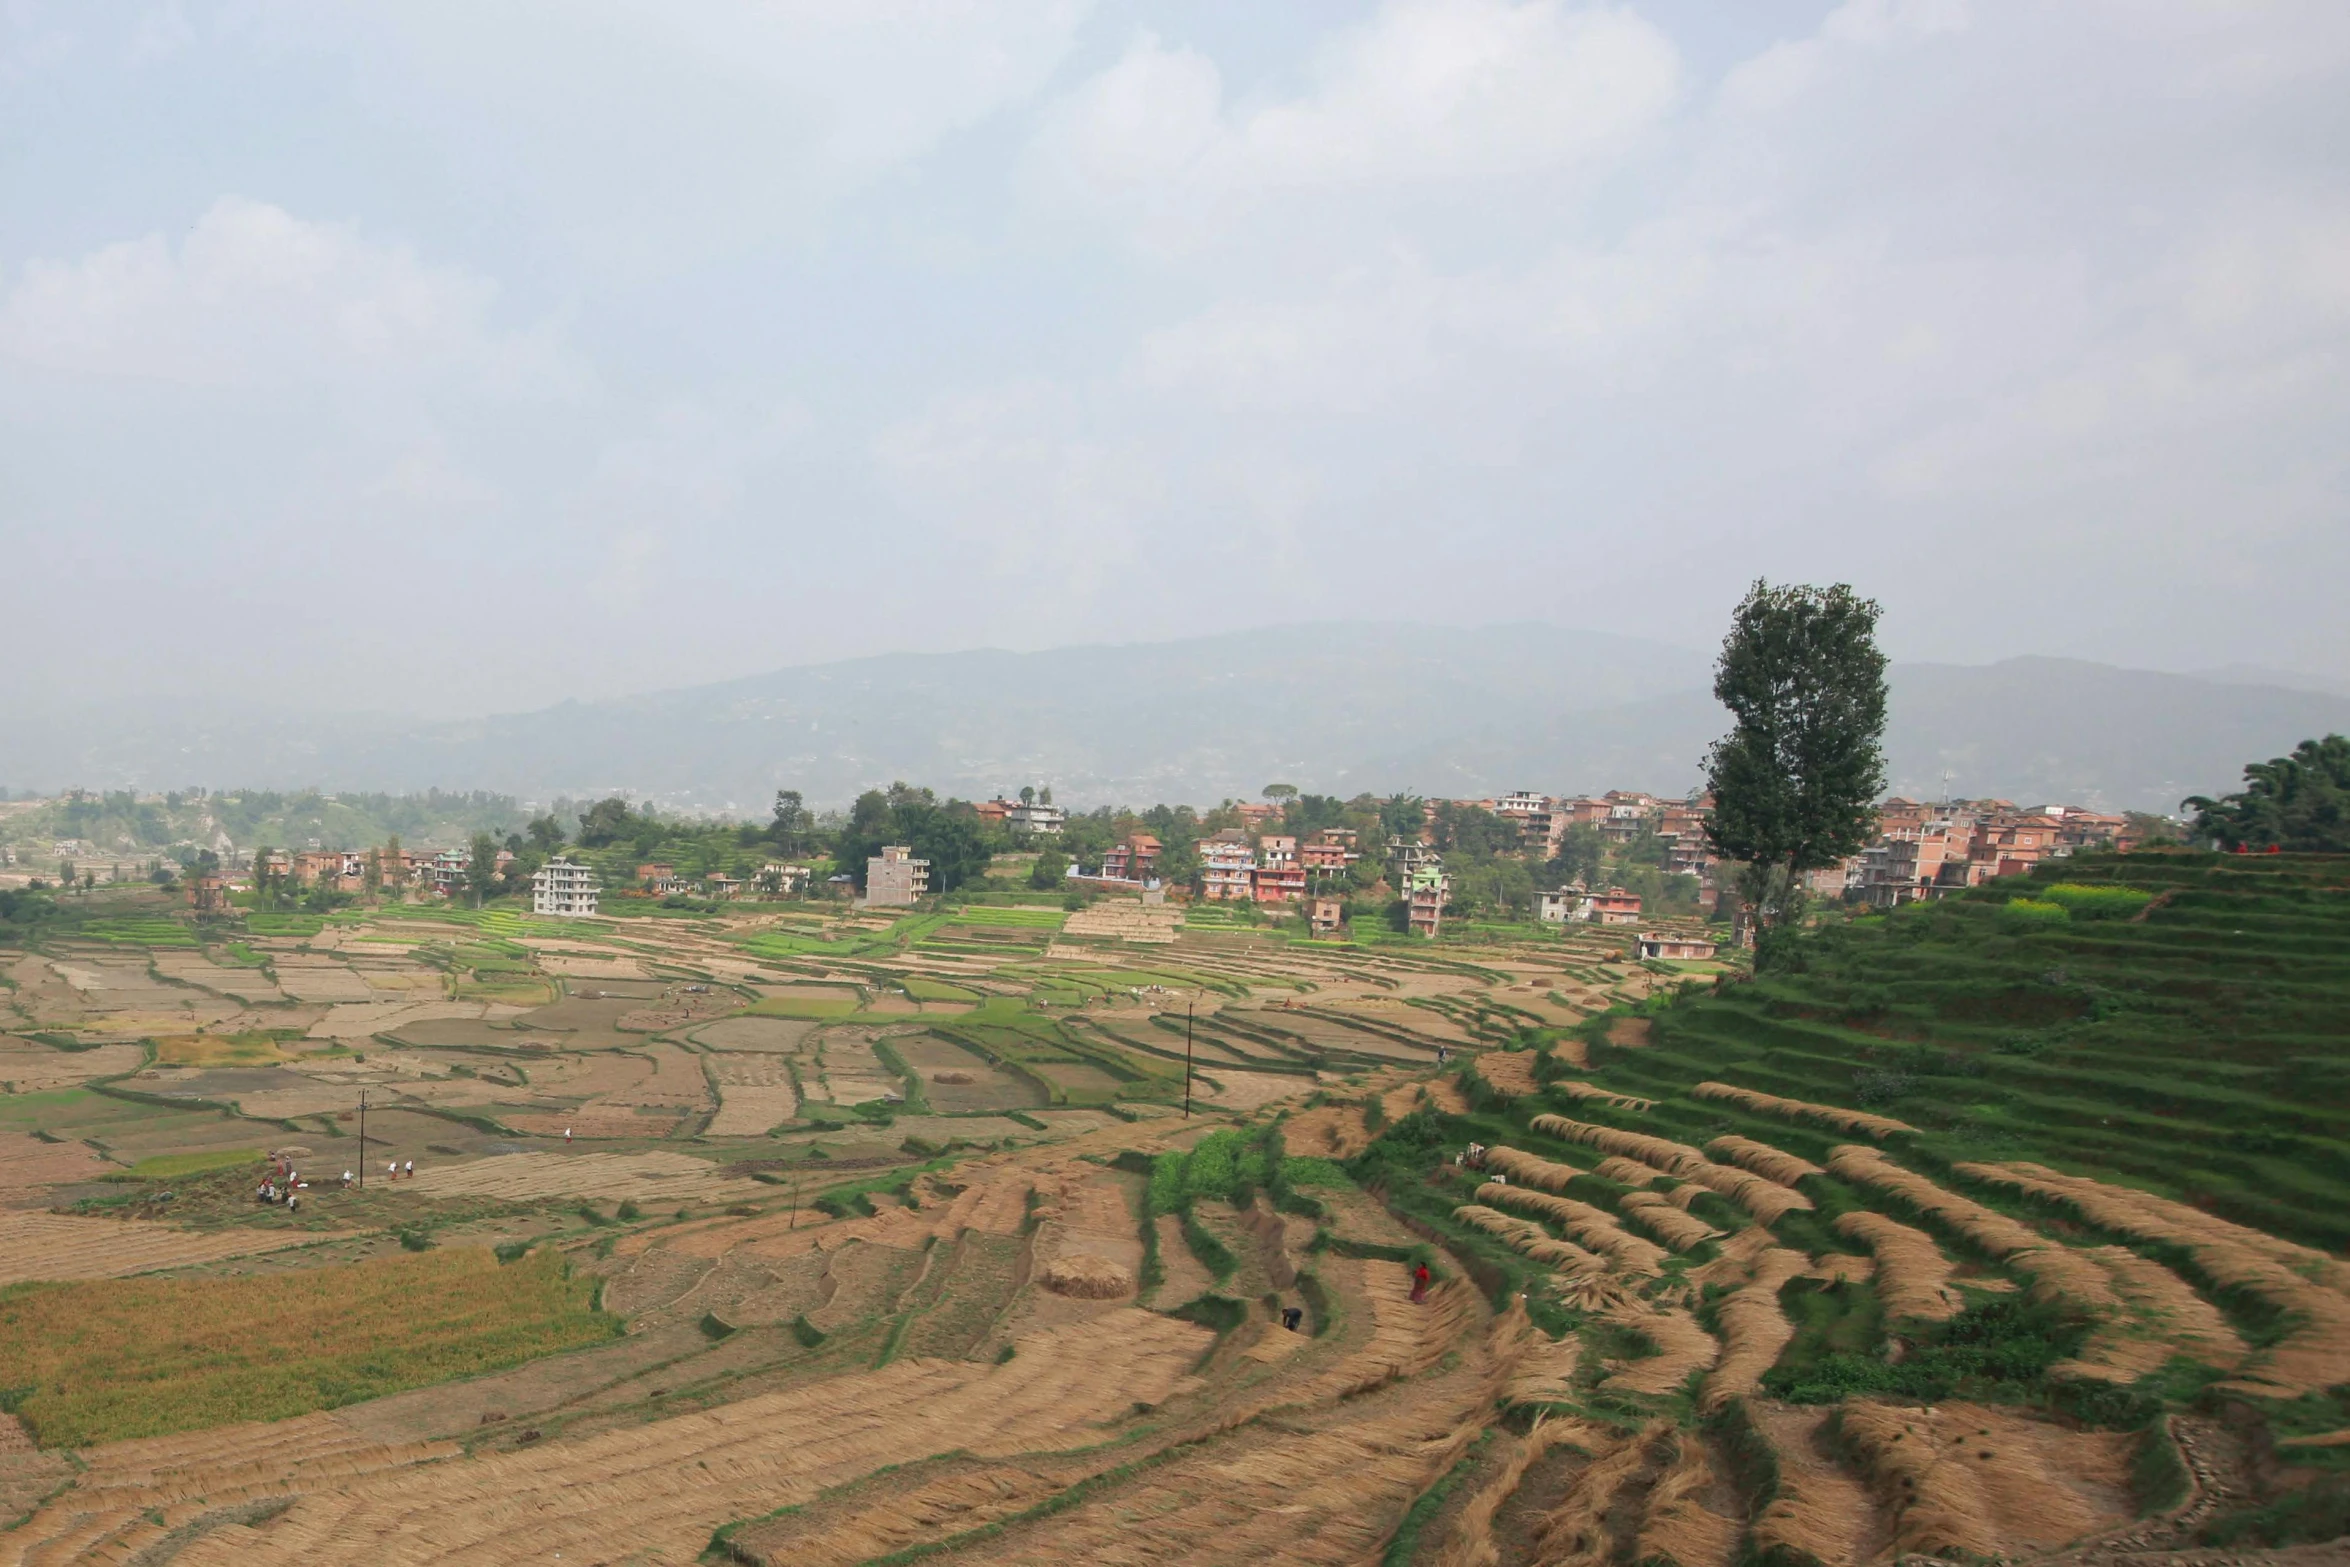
<point x="467" y="356"/>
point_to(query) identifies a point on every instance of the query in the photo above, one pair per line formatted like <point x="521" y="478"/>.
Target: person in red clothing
<point x="1420" y="1282"/>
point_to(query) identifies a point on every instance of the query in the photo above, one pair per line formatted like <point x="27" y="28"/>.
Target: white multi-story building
<point x="564" y="889"/>
<point x="1046" y="819"/>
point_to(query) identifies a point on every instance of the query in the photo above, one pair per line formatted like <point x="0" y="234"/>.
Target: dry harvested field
<point x="54" y="1246"/>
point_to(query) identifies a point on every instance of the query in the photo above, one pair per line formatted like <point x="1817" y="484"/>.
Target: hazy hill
<point x="1337" y="708"/>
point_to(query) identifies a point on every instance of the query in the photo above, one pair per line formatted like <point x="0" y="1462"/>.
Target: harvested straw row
<point x="1576" y="1088"/>
<point x="1528" y="1170"/>
<point x="1528" y="1238"/>
<point x="1682" y="1348"/>
<point x="2057" y="1271"/>
<point x="1913" y="1277"/>
<point x="1576" y="1531"/>
<point x="1768" y="1201"/>
<point x="1836" y="1116"/>
<point x="1678" y="1527"/>
<point x="1594" y="1227"/>
<point x="1623" y="1171"/>
<point x="1941" y="1509"/>
<point x="1772" y="1164"/>
<point x="1979" y="1482"/>
<point x="2313" y="1355"/>
<point x="1821" y="1513"/>
<point x="1471" y="1543"/>
<point x="1659" y="1217"/>
<point x="1754" y="1329"/>
<point x="1545" y="1373"/>
<point x="1663" y="1153"/>
<point x="2161" y="1317"/>
<point x="1764" y="1199"/>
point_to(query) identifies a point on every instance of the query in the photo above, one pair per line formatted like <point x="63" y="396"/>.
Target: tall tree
<point x="481" y="871"/>
<point x="1795" y="782"/>
<point x="2299" y="802"/>
<point x="790" y="830"/>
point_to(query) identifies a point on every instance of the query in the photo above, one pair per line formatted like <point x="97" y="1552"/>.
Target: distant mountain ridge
<point x="1336" y="708"/>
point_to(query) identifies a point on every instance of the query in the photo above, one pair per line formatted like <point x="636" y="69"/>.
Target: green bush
<point x="1306" y="1170"/>
<point x="2032" y="914"/>
<point x="2083" y="901"/>
<point x="1165" y="1194"/>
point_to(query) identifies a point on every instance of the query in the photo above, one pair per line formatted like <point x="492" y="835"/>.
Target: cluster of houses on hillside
<point x="1921" y="851"/>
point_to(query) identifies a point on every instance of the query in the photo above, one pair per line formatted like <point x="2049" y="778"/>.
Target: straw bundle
<point x="1772" y="1164"/>
<point x="1082" y="1276"/>
<point x="1835" y="1116"/>
<point x="1509" y="1073"/>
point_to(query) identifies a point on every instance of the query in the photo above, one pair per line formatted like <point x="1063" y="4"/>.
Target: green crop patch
<point x="118" y="1358"/>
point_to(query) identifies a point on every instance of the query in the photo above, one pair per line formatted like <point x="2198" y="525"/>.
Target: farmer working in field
<point x="1420" y="1282"/>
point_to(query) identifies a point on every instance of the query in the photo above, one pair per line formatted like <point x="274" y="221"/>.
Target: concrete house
<point x="564" y="889"/>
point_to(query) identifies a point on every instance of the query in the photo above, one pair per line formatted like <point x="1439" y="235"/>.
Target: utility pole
<point x="1187" y="1006"/>
<point x="363" y="1138"/>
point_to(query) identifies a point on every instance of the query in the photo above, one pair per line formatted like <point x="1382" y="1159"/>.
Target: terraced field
<point x="1970" y="1232"/>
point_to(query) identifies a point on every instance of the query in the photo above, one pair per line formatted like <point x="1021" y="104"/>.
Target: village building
<point x="722" y="886"/>
<point x="1613" y="907"/>
<point x="1278" y="883"/>
<point x="1254" y="814"/>
<point x="894" y="878"/>
<point x="1673" y="945"/>
<point x="1325" y="915"/>
<point x="209" y="896"/>
<point x="1136" y="858"/>
<point x="1425" y="890"/>
<point x="777" y="877"/>
<point x="1227" y="867"/>
<point x="564" y="889"/>
<point x="1562" y="906"/>
<point x="992" y="813"/>
<point x="657" y="876"/>
<point x="1331" y="849"/>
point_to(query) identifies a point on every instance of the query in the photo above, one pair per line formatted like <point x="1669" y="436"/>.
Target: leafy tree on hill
<point x="1400" y="817"/>
<point x="1582" y="854"/>
<point x="1794" y="783"/>
<point x="546" y="833"/>
<point x="1472" y="832"/>
<point x="606" y="823"/>
<point x="947" y="836"/>
<point x="2299" y="802"/>
<point x="1048" y="870"/>
<point x="793" y="823"/>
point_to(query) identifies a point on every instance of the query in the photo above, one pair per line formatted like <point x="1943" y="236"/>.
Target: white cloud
<point x="253" y="295"/>
<point x="1426" y="92"/>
